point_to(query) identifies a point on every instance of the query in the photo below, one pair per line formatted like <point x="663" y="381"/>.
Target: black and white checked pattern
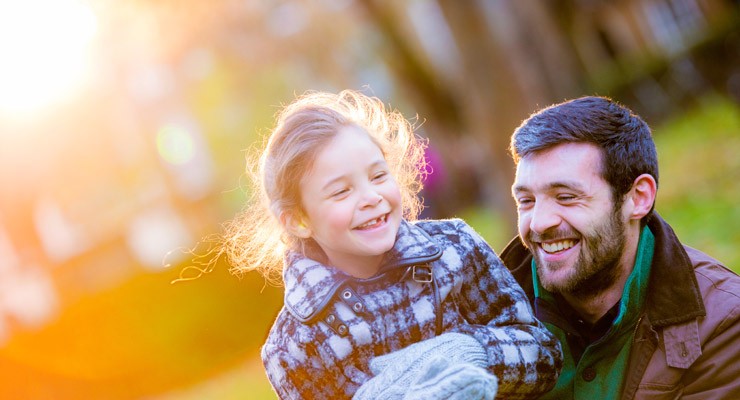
<point x="307" y="358"/>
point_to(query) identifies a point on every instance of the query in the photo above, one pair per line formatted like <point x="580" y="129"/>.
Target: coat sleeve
<point x="298" y="371"/>
<point x="281" y="369"/>
<point x="522" y="353"/>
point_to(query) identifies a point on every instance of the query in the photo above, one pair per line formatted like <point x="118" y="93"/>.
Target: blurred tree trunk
<point x="491" y="100"/>
<point x="511" y="59"/>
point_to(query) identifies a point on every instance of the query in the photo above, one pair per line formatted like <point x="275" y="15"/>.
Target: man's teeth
<point x="558" y="246"/>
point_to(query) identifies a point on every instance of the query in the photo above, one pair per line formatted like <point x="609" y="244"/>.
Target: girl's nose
<point x="372" y="199"/>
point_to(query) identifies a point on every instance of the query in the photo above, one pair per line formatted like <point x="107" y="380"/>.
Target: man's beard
<point x="597" y="265"/>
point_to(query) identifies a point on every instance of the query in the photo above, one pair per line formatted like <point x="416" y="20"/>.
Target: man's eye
<point x="524" y="202"/>
<point x="566" y="197"/>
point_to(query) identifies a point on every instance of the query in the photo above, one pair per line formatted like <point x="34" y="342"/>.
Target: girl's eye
<point x="339" y="193"/>
<point x="380" y="176"/>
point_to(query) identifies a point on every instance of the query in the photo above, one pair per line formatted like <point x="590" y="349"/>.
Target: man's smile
<point x="553" y="253"/>
<point x="558" y="246"/>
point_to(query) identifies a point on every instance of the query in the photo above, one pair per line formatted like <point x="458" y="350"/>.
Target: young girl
<point x="335" y="199"/>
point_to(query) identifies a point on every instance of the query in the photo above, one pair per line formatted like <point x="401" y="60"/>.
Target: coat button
<point x="357" y="307"/>
<point x="588" y="374"/>
<point x="342" y="329"/>
<point x="330" y="319"/>
<point x="347" y="294"/>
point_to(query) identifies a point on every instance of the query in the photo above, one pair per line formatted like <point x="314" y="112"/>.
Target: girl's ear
<point x="295" y="225"/>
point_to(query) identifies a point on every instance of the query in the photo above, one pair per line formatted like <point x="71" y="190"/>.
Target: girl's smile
<point x="374" y="224"/>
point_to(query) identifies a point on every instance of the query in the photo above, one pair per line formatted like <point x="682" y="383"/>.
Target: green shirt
<point x="599" y="374"/>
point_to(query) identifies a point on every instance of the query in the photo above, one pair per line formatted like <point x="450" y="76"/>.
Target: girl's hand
<point x="396" y="372"/>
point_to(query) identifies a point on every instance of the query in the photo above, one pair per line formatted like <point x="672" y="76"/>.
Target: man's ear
<point x="295" y="225"/>
<point x="642" y="196"/>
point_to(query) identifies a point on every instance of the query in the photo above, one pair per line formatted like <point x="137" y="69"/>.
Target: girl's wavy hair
<point x="255" y="239"/>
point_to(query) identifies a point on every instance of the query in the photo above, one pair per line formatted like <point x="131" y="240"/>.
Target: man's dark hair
<point x="628" y="150"/>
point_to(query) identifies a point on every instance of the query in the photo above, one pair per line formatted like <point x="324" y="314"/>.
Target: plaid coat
<point x="441" y="276"/>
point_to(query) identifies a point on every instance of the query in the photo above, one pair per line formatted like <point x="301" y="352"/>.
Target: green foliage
<point x="489" y="224"/>
<point x="700" y="178"/>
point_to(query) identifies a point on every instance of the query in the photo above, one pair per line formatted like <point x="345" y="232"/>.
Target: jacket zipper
<point x="437" y="307"/>
<point x="637" y="326"/>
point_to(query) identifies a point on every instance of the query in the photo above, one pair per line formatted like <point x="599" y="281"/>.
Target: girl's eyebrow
<point x="375" y="164"/>
<point x="333" y="181"/>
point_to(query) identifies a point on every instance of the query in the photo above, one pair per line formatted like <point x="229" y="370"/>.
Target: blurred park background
<point x="123" y="125"/>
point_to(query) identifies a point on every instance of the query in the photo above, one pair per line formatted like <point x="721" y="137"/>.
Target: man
<point x="639" y="315"/>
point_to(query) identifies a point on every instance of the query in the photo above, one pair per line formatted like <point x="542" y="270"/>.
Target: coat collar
<point x="673" y="292"/>
<point x="673" y="295"/>
<point x="310" y="285"/>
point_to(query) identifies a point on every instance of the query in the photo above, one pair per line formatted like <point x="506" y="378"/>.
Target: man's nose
<point x="543" y="217"/>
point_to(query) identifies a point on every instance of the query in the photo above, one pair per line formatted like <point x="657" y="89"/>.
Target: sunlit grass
<point x="247" y="382"/>
<point x="145" y="337"/>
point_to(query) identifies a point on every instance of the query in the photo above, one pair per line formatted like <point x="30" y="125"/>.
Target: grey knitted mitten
<point x="444" y="380"/>
<point x="396" y="372"/>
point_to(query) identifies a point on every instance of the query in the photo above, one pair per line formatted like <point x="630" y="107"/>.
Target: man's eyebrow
<point x="570" y="185"/>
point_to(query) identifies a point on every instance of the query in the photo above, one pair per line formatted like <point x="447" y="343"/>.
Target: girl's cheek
<point x="339" y="216"/>
<point x="395" y="194"/>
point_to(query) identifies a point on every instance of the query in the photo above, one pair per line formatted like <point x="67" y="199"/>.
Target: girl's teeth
<point x="371" y="223"/>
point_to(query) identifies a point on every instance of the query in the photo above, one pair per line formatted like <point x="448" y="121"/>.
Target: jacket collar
<point x="673" y="295"/>
<point x="310" y="285"/>
<point x="673" y="292"/>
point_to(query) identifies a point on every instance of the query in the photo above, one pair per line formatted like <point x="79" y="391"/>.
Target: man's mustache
<point x="552" y="234"/>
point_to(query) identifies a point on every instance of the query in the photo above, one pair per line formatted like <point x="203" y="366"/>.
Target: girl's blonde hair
<point x="255" y="239"/>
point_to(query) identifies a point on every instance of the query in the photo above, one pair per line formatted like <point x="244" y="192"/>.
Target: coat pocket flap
<point x="682" y="346"/>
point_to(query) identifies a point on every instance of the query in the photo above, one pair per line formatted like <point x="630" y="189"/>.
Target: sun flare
<point x="44" y="46"/>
